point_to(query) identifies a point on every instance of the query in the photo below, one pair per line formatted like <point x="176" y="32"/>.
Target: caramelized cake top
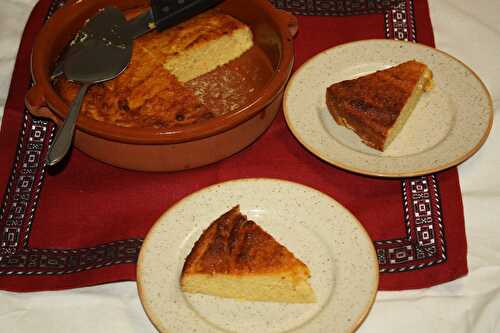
<point x="379" y="96"/>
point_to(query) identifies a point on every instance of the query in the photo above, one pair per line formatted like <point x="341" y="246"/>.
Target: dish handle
<point x="291" y="21"/>
<point x="37" y="105"/>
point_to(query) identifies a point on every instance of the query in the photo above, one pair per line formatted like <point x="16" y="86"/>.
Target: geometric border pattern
<point x="335" y="7"/>
<point x="24" y="186"/>
<point x="58" y="262"/>
<point x="400" y="22"/>
<point x="423" y="244"/>
<point x="19" y="205"/>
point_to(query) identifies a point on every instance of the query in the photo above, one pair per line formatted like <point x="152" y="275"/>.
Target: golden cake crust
<point x="371" y="104"/>
<point x="236" y="246"/>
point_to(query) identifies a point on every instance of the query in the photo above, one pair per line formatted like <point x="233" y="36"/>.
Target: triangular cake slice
<point x="236" y="258"/>
<point x="376" y="106"/>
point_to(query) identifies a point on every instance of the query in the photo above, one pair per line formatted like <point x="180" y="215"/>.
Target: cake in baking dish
<point x="151" y="91"/>
<point x="236" y="258"/>
<point x="376" y="106"/>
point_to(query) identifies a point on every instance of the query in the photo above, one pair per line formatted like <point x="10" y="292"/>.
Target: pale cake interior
<point x="205" y="57"/>
<point x="424" y="84"/>
<point x="271" y="287"/>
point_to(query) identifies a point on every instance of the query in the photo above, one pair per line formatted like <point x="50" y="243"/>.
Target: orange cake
<point x="376" y="106"/>
<point x="151" y="91"/>
<point x="236" y="258"/>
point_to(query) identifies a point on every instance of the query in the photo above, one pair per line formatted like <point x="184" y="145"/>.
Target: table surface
<point x="469" y="30"/>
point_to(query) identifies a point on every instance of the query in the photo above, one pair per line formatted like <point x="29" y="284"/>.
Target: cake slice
<point x="236" y="258"/>
<point x="376" y="106"/>
<point x="199" y="45"/>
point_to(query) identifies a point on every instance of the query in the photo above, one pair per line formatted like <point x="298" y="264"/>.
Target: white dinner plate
<point x="448" y="125"/>
<point x="312" y="225"/>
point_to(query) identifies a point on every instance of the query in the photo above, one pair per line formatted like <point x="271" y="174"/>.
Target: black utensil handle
<point x="168" y="13"/>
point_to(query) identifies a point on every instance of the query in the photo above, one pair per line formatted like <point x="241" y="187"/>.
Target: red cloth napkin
<point x="83" y="225"/>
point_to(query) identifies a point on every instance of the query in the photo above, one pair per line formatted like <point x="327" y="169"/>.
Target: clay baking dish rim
<point x="43" y="93"/>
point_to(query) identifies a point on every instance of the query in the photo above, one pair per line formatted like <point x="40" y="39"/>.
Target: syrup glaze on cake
<point x="377" y="105"/>
<point x="236" y="258"/>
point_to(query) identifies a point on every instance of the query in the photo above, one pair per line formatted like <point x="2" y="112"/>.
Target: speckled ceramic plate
<point x="316" y="228"/>
<point x="449" y="124"/>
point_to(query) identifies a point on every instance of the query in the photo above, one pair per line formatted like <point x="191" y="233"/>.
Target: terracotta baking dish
<point x="167" y="150"/>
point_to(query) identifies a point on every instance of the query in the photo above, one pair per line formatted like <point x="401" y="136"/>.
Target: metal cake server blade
<point x="106" y="25"/>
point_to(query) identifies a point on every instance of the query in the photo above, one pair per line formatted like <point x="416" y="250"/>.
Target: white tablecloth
<point x="469" y="30"/>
